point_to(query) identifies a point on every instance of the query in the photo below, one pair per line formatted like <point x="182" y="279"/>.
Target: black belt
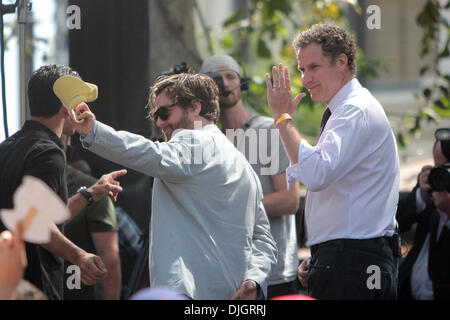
<point x="346" y="242"/>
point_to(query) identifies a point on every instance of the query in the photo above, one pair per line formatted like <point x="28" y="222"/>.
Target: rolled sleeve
<point x="291" y="175"/>
<point x="293" y="172"/>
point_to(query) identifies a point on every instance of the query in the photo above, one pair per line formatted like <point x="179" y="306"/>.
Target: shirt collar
<point x="343" y="93"/>
<point x="42" y="131"/>
<point x="209" y="127"/>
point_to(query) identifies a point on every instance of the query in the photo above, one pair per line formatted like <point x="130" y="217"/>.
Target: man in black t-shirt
<point x="36" y="150"/>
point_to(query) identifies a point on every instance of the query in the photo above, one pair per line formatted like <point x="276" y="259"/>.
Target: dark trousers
<point x="353" y="270"/>
<point x="282" y="289"/>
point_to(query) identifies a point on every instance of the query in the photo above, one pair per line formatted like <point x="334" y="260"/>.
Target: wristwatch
<point x="85" y="193"/>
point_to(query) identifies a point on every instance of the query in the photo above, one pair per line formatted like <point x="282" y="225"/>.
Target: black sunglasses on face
<point x="162" y="112"/>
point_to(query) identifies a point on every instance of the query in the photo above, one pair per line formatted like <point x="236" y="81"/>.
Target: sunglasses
<point x="163" y="112"/>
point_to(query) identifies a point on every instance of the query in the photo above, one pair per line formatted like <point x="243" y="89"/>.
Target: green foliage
<point x="435" y="97"/>
<point x="260" y="36"/>
<point x="428" y="19"/>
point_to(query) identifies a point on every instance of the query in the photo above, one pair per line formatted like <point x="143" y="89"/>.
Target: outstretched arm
<point x="107" y="184"/>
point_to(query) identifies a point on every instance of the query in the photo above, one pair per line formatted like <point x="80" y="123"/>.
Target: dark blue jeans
<point x="353" y="270"/>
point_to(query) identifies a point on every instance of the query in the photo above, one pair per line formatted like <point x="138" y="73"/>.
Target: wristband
<point x="85" y="193"/>
<point x="284" y="116"/>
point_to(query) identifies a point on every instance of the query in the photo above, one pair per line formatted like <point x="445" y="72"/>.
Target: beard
<point x="231" y="100"/>
<point x="183" y="123"/>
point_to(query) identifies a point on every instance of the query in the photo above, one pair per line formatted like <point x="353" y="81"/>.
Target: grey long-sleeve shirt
<point x="209" y="230"/>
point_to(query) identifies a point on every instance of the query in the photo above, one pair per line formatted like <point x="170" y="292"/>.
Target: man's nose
<point x="306" y="78"/>
<point x="227" y="82"/>
<point x="160" y="122"/>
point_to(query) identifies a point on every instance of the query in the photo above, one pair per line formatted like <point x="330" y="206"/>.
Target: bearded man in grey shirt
<point x="209" y="233"/>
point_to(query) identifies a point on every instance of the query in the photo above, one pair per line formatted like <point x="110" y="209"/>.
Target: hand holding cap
<point x="72" y="91"/>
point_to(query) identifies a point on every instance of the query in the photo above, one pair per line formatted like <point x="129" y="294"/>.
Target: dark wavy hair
<point x="333" y="40"/>
<point x="183" y="88"/>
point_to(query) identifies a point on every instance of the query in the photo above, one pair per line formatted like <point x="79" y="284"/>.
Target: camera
<point x="217" y="79"/>
<point x="177" y="69"/>
<point x="439" y="178"/>
<point x="219" y="82"/>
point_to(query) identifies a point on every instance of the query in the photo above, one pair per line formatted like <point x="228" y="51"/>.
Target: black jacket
<point x="439" y="251"/>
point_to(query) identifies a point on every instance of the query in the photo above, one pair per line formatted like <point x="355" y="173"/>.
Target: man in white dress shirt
<point x="209" y="233"/>
<point x="352" y="173"/>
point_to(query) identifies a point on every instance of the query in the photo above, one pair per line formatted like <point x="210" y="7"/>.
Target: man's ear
<point x="342" y="61"/>
<point x="196" y="106"/>
<point x="64" y="111"/>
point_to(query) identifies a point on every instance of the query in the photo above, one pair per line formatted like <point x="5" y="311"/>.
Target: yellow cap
<point x="72" y="91"/>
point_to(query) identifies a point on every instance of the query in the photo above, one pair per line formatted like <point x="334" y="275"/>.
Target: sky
<point x="44" y="27"/>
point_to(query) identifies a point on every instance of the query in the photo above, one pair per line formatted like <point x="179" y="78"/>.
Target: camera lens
<point x="439" y="179"/>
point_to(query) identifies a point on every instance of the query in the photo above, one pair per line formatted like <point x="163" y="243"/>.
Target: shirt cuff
<point x="87" y="141"/>
<point x="420" y="204"/>
<point x="305" y="150"/>
<point x="291" y="173"/>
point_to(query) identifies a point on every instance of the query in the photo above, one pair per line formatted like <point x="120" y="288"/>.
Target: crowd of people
<point x="224" y="201"/>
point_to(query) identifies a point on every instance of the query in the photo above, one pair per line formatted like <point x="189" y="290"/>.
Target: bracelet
<point x="284" y="116"/>
<point x="85" y="193"/>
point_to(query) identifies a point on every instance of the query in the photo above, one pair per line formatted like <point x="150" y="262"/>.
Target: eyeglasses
<point x="163" y="112"/>
<point x="442" y="134"/>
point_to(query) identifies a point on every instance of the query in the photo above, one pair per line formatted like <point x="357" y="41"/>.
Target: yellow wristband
<point x="284" y="116"/>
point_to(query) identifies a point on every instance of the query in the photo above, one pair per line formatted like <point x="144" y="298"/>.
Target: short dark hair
<point x="184" y="88"/>
<point x="333" y="40"/>
<point x="42" y="100"/>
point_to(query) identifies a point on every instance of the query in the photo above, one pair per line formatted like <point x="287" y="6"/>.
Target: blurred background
<point x="123" y="45"/>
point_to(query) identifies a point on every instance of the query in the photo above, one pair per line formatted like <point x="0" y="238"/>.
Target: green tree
<point x="435" y="97"/>
<point x="259" y="35"/>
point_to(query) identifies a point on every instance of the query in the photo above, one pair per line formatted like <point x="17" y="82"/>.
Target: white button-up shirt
<point x="352" y="174"/>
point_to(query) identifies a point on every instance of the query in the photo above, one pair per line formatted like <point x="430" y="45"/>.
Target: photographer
<point x="425" y="272"/>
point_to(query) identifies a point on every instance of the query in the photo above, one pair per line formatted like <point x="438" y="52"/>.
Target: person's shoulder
<point x="351" y="107"/>
<point x="44" y="151"/>
<point x="258" y="121"/>
<point x="199" y="134"/>
<point x="360" y="98"/>
<point x="78" y="177"/>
